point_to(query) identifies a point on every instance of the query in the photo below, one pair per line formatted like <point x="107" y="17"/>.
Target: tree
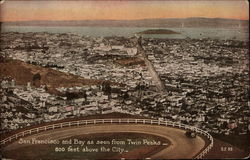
<point x="36" y="76"/>
<point x="85" y="95"/>
<point x="71" y="95"/>
<point x="36" y="79"/>
<point x="106" y="88"/>
<point x="125" y="96"/>
<point x="224" y="125"/>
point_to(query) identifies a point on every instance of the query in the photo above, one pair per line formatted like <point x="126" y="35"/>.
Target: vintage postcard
<point x="124" y="79"/>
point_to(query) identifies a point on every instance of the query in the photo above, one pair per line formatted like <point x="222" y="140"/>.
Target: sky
<point x="27" y="10"/>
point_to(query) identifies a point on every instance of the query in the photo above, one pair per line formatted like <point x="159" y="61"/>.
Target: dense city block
<point x="206" y="81"/>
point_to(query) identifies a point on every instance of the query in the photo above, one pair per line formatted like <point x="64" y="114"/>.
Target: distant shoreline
<point x="98" y="31"/>
<point x="153" y="23"/>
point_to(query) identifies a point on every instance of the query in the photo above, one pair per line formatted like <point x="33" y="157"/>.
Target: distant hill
<point x="158" y="31"/>
<point x="169" y="22"/>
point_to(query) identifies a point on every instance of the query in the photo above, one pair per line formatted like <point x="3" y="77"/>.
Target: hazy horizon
<point x="62" y="10"/>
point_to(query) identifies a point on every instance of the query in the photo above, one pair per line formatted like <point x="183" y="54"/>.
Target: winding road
<point x="181" y="147"/>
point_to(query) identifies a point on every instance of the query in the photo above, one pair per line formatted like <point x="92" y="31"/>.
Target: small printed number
<point x="59" y="149"/>
<point x="225" y="149"/>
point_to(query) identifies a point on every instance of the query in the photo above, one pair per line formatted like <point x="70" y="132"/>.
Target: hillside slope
<point x="23" y="73"/>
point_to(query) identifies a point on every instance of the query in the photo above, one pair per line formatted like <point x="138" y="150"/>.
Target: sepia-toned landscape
<point x="139" y="87"/>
